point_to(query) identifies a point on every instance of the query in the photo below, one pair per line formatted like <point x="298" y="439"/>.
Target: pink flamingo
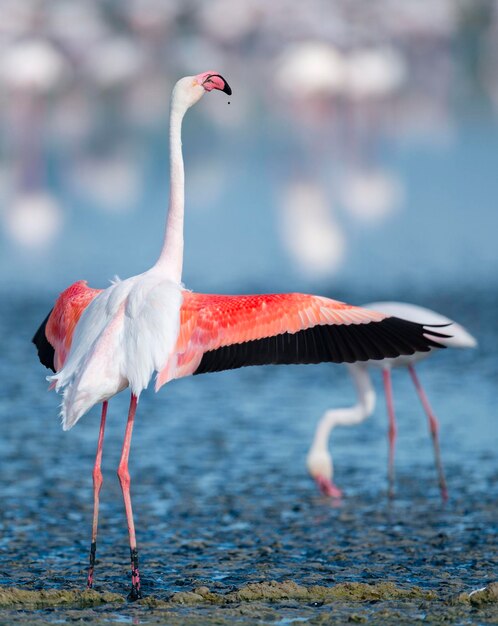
<point x="319" y="460"/>
<point x="99" y="342"/>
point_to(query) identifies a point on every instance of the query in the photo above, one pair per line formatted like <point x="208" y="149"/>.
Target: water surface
<point x="220" y="490"/>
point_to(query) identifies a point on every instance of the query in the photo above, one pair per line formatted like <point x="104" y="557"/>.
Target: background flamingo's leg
<point x="392" y="428"/>
<point x="434" y="429"/>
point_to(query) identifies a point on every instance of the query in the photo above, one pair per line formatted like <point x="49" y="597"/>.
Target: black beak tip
<point x="226" y="87"/>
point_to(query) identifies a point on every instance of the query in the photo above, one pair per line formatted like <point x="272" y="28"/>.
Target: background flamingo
<point x="319" y="460"/>
<point x="101" y="341"/>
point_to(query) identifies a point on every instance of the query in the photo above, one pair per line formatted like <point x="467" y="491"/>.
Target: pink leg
<point x="392" y="428"/>
<point x="124" y="479"/>
<point x="434" y="428"/>
<point x="97" y="484"/>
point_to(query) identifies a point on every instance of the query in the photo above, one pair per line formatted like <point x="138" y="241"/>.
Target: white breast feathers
<point x="126" y="333"/>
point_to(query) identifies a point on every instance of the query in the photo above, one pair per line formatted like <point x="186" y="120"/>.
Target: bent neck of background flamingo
<point x="171" y="258"/>
<point x="347" y="416"/>
<point x="364" y="388"/>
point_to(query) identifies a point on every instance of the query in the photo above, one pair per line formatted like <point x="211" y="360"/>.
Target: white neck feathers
<point x="170" y="260"/>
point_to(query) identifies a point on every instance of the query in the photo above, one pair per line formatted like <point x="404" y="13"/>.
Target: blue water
<point x="218" y="462"/>
<point x="221" y="493"/>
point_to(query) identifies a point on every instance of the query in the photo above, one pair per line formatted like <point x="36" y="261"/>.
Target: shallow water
<point x="221" y="495"/>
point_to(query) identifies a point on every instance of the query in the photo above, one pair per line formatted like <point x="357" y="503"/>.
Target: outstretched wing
<point x="226" y="332"/>
<point x="53" y="337"/>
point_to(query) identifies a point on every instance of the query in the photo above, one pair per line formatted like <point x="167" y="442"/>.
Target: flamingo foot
<point x="135" y="592"/>
<point x="93" y="550"/>
<point x="327" y="487"/>
<point x="390" y="484"/>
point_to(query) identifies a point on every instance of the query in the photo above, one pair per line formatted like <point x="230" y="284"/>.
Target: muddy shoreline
<point x="272" y="602"/>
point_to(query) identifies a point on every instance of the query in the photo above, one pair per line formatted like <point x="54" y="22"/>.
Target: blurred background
<point x="357" y="155"/>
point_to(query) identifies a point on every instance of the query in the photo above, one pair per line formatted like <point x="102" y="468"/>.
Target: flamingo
<point x="98" y="342"/>
<point x="319" y="460"/>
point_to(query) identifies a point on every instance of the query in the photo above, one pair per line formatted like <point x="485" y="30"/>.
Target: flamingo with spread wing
<point x="98" y="342"/>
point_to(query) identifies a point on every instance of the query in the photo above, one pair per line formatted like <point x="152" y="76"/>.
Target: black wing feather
<point x="336" y="343"/>
<point x="46" y="353"/>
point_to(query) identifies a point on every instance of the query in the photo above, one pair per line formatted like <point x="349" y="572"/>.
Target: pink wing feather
<point x="64" y="316"/>
<point x="222" y="332"/>
<point x="209" y="322"/>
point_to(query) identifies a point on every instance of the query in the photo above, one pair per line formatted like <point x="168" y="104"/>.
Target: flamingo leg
<point x="434" y="429"/>
<point x="124" y="479"/>
<point x="97" y="485"/>
<point x="392" y="428"/>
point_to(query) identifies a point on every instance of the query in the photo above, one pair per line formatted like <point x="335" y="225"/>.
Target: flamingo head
<point x="190" y="89"/>
<point x="212" y="80"/>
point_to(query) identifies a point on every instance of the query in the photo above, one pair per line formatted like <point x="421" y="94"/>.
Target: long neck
<point x="364" y="388"/>
<point x="171" y="258"/>
<point x="347" y="416"/>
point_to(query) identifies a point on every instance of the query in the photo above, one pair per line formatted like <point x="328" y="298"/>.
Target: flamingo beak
<point x="215" y="81"/>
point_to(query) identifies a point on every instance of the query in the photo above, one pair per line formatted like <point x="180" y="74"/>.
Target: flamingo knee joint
<point x="124" y="476"/>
